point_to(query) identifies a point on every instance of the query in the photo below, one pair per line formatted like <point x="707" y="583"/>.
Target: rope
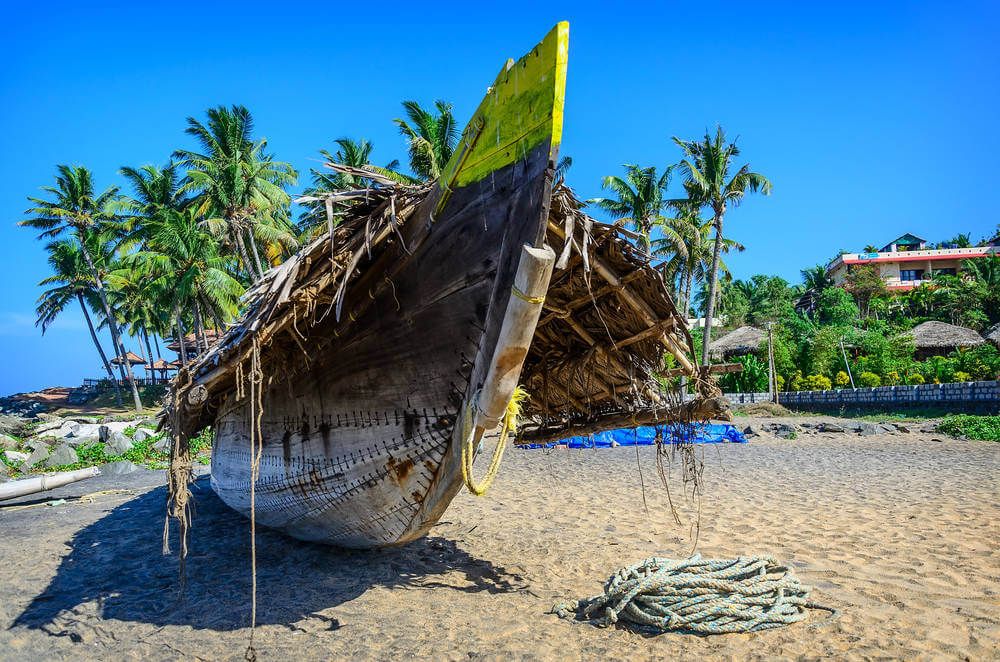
<point x="256" y="379"/>
<point x="701" y="596"/>
<point x="509" y="424"/>
<point x="525" y="297"/>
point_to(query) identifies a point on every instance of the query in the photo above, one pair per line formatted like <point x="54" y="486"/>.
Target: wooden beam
<point x="647" y="333"/>
<point x="649" y="317"/>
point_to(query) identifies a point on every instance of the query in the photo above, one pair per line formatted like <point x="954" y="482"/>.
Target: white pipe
<point x="516" y="332"/>
<point x="18" y="488"/>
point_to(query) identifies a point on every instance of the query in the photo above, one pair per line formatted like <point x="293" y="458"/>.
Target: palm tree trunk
<point x="100" y="350"/>
<point x="713" y="284"/>
<point x="156" y="341"/>
<point x="199" y="329"/>
<point x="112" y="324"/>
<point x="255" y="253"/>
<point x="149" y="350"/>
<point x="180" y="337"/>
<point x="241" y="246"/>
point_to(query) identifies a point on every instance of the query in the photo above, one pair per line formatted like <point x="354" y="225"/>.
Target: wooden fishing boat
<point x="365" y="363"/>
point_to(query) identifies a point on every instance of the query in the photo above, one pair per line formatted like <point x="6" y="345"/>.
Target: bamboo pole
<point x="18" y="488"/>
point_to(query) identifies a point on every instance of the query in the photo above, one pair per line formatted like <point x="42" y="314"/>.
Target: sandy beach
<point x="900" y="532"/>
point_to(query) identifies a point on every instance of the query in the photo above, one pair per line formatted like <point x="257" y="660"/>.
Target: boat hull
<point x="358" y="444"/>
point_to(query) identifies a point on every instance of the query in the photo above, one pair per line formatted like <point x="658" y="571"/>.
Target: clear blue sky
<point x="872" y="119"/>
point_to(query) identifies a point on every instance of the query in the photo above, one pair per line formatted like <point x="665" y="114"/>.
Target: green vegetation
<point x="984" y="428"/>
<point x="142" y="453"/>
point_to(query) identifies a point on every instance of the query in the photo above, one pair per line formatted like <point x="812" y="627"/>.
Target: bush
<point x="985" y="428"/>
<point x="817" y="383"/>
<point x="780" y="382"/>
<point x="916" y="379"/>
<point x="797" y="381"/>
<point x="869" y="380"/>
<point x="841" y="379"/>
<point x="960" y="376"/>
<point x="890" y="378"/>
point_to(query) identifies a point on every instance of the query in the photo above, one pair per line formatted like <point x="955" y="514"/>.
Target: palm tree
<point x="640" y="201"/>
<point x="431" y="138"/>
<point x="239" y="188"/>
<point x="705" y="170"/>
<point x="353" y="153"/>
<point x="815" y="278"/>
<point x="71" y="280"/>
<point x="565" y="163"/>
<point x="182" y="263"/>
<point x="814" y="281"/>
<point x="76" y="210"/>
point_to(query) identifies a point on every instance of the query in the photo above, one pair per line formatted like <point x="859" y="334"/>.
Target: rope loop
<point x="700" y="596"/>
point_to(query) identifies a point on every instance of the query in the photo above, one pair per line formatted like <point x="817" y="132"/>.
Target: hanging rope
<point x="256" y="379"/>
<point x="508" y="425"/>
<point x="702" y="596"/>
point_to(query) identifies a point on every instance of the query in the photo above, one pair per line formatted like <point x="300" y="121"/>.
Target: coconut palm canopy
<point x="744" y="340"/>
<point x="941" y="335"/>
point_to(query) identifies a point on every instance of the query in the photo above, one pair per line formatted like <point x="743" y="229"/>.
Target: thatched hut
<point x="993" y="335"/>
<point x="744" y="340"/>
<point x="935" y="338"/>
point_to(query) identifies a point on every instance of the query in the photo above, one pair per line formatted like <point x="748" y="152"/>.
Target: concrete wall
<point x="981" y="397"/>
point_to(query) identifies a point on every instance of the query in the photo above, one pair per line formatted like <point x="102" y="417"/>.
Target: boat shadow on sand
<point x="118" y="562"/>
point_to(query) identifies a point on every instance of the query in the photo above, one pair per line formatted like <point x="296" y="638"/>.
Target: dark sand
<point x="899" y="532"/>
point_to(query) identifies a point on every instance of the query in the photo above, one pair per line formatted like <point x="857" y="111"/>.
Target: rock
<point x="15" y="425"/>
<point x="868" y="429"/>
<point x="36" y="456"/>
<point x="37" y="444"/>
<point x="85" y="420"/>
<point x="751" y="431"/>
<point x="47" y="426"/>
<point x="49" y="417"/>
<point x="119" y="468"/>
<point x="109" y="427"/>
<point x="832" y="427"/>
<point x="786" y="430"/>
<point x="142" y="434"/>
<point x="117" y="444"/>
<point x="61" y="454"/>
<point x="7" y="441"/>
<point x="887" y="427"/>
<point x="17" y="457"/>
<point x="928" y="429"/>
<point x="162" y="446"/>
<point x="902" y="428"/>
<point x="4" y="473"/>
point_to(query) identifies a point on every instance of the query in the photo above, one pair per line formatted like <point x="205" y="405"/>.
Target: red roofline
<point x="981" y="252"/>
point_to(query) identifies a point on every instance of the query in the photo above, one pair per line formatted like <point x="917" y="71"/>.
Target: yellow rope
<point x="530" y="299"/>
<point x="508" y="425"/>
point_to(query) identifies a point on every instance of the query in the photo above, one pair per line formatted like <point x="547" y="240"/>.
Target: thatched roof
<point x="941" y="335"/>
<point x="191" y="343"/>
<point x="130" y="357"/>
<point x="744" y="340"/>
<point x="993" y="334"/>
<point x="160" y="364"/>
<point x="605" y="326"/>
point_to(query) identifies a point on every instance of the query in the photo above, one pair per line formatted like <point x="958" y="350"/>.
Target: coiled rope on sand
<point x="696" y="595"/>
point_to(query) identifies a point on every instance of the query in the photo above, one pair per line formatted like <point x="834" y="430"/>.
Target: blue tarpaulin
<point x="696" y="433"/>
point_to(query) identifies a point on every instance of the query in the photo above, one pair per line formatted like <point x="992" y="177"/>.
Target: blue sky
<point x="871" y="119"/>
